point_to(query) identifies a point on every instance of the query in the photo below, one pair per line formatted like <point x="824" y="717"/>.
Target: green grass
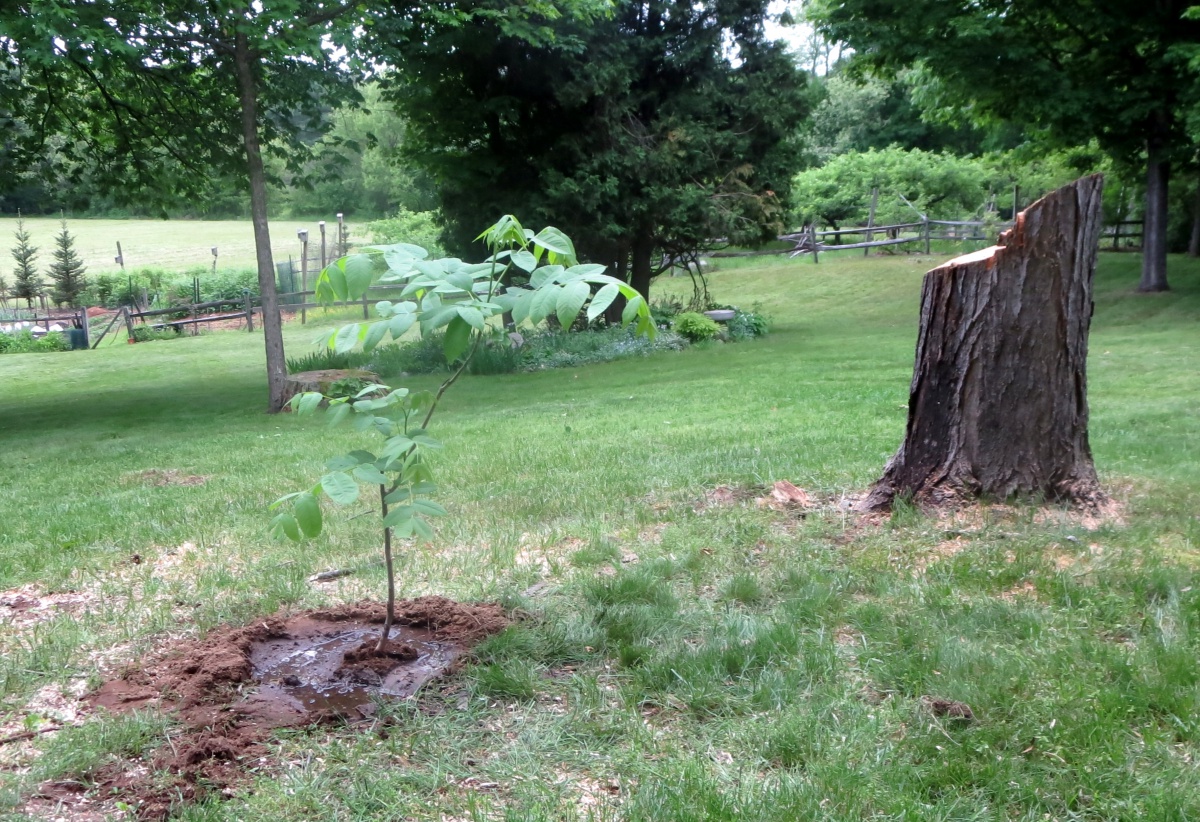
<point x="171" y="245"/>
<point x="687" y="661"/>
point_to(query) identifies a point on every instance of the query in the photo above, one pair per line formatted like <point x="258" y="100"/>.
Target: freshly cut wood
<point x="998" y="403"/>
<point x="322" y="381"/>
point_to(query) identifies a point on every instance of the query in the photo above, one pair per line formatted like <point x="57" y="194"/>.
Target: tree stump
<point x="998" y="403"/>
<point x="322" y="381"/>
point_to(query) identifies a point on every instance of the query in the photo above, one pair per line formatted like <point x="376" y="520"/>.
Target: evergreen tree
<point x="644" y="135"/>
<point x="28" y="285"/>
<point x="67" y="270"/>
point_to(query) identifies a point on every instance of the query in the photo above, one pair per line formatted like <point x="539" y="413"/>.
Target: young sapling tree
<point x="460" y="299"/>
<point x="67" y="271"/>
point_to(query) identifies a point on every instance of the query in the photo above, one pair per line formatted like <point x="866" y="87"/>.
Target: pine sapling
<point x="67" y="270"/>
<point x="27" y="285"/>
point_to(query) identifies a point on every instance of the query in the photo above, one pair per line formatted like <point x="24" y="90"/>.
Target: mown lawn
<point x="687" y="660"/>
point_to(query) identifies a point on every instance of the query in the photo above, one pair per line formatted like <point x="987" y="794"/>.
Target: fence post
<point x="871" y="220"/>
<point x="1117" y="235"/>
<point x="83" y="323"/>
<point x="927" y="246"/>
<point x="128" y="321"/>
<point x="249" y="310"/>
<point x="366" y="310"/>
<point x="303" y="235"/>
<point x="812" y="238"/>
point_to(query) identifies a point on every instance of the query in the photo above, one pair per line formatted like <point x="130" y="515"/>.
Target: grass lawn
<point x="687" y="660"/>
<point x="171" y="245"/>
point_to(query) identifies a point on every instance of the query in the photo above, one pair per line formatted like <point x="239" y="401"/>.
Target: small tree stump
<point x="998" y="403"/>
<point x="321" y="381"/>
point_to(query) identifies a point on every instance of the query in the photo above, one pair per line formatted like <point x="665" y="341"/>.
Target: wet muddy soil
<point x="232" y="688"/>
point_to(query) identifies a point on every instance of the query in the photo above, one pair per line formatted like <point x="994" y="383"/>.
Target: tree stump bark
<point x="998" y="403"/>
<point x="322" y="381"/>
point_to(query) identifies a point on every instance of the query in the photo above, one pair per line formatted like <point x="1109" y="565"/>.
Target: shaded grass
<point x="708" y="662"/>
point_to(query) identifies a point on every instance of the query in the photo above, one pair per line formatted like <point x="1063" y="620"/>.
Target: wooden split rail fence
<point x="810" y="241"/>
<point x="244" y="309"/>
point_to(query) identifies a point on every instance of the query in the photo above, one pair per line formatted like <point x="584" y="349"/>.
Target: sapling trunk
<point x="391" y="577"/>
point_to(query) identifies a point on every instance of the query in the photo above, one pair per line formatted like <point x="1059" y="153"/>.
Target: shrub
<point x="327" y="359"/>
<point x="559" y="350"/>
<point x="347" y="387"/>
<point x="413" y="227"/>
<point x="23" y="342"/>
<point x="541" y="349"/>
<point x="113" y="290"/>
<point x="746" y="325"/>
<point x="696" y="327"/>
<point x="225" y="284"/>
<point x="425" y="355"/>
<point x="147" y="333"/>
<point x="664" y="310"/>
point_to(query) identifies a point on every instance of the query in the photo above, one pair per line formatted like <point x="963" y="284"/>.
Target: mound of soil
<point x="230" y="689"/>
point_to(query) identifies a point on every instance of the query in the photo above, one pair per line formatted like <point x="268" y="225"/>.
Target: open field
<point x="689" y="658"/>
<point x="172" y="245"/>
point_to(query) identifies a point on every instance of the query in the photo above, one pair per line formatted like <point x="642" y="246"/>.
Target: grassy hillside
<point x="172" y="245"/>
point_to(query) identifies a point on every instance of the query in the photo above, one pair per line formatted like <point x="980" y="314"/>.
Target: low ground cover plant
<point x="148" y="333"/>
<point x="696" y="327"/>
<point x="165" y="289"/>
<point x="499" y="354"/>
<point x="746" y="325"/>
<point x="23" y="342"/>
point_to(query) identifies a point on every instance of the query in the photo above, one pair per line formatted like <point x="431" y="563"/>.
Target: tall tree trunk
<point x="641" y="262"/>
<point x="620" y="270"/>
<point x="1194" y="240"/>
<point x="998" y="404"/>
<point x="1154" y="227"/>
<point x="244" y="59"/>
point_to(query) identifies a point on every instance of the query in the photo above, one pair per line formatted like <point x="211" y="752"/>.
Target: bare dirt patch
<point x="232" y="688"/>
<point x="1025" y="589"/>
<point x="947" y="708"/>
<point x="162" y="477"/>
<point x="975" y="516"/>
<point x="28" y="605"/>
<point x="946" y="549"/>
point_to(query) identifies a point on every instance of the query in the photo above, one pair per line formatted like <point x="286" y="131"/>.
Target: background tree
<point x="941" y="185"/>
<point x="155" y="98"/>
<point x="357" y="167"/>
<point x="67" y="270"/>
<point x="645" y="136"/>
<point x="1078" y="69"/>
<point x="859" y="113"/>
<point x="27" y="285"/>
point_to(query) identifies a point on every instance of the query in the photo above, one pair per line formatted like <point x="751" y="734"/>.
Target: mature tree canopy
<point x="644" y="135"/>
<point x="1112" y="70"/>
<point x="859" y="113"/>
